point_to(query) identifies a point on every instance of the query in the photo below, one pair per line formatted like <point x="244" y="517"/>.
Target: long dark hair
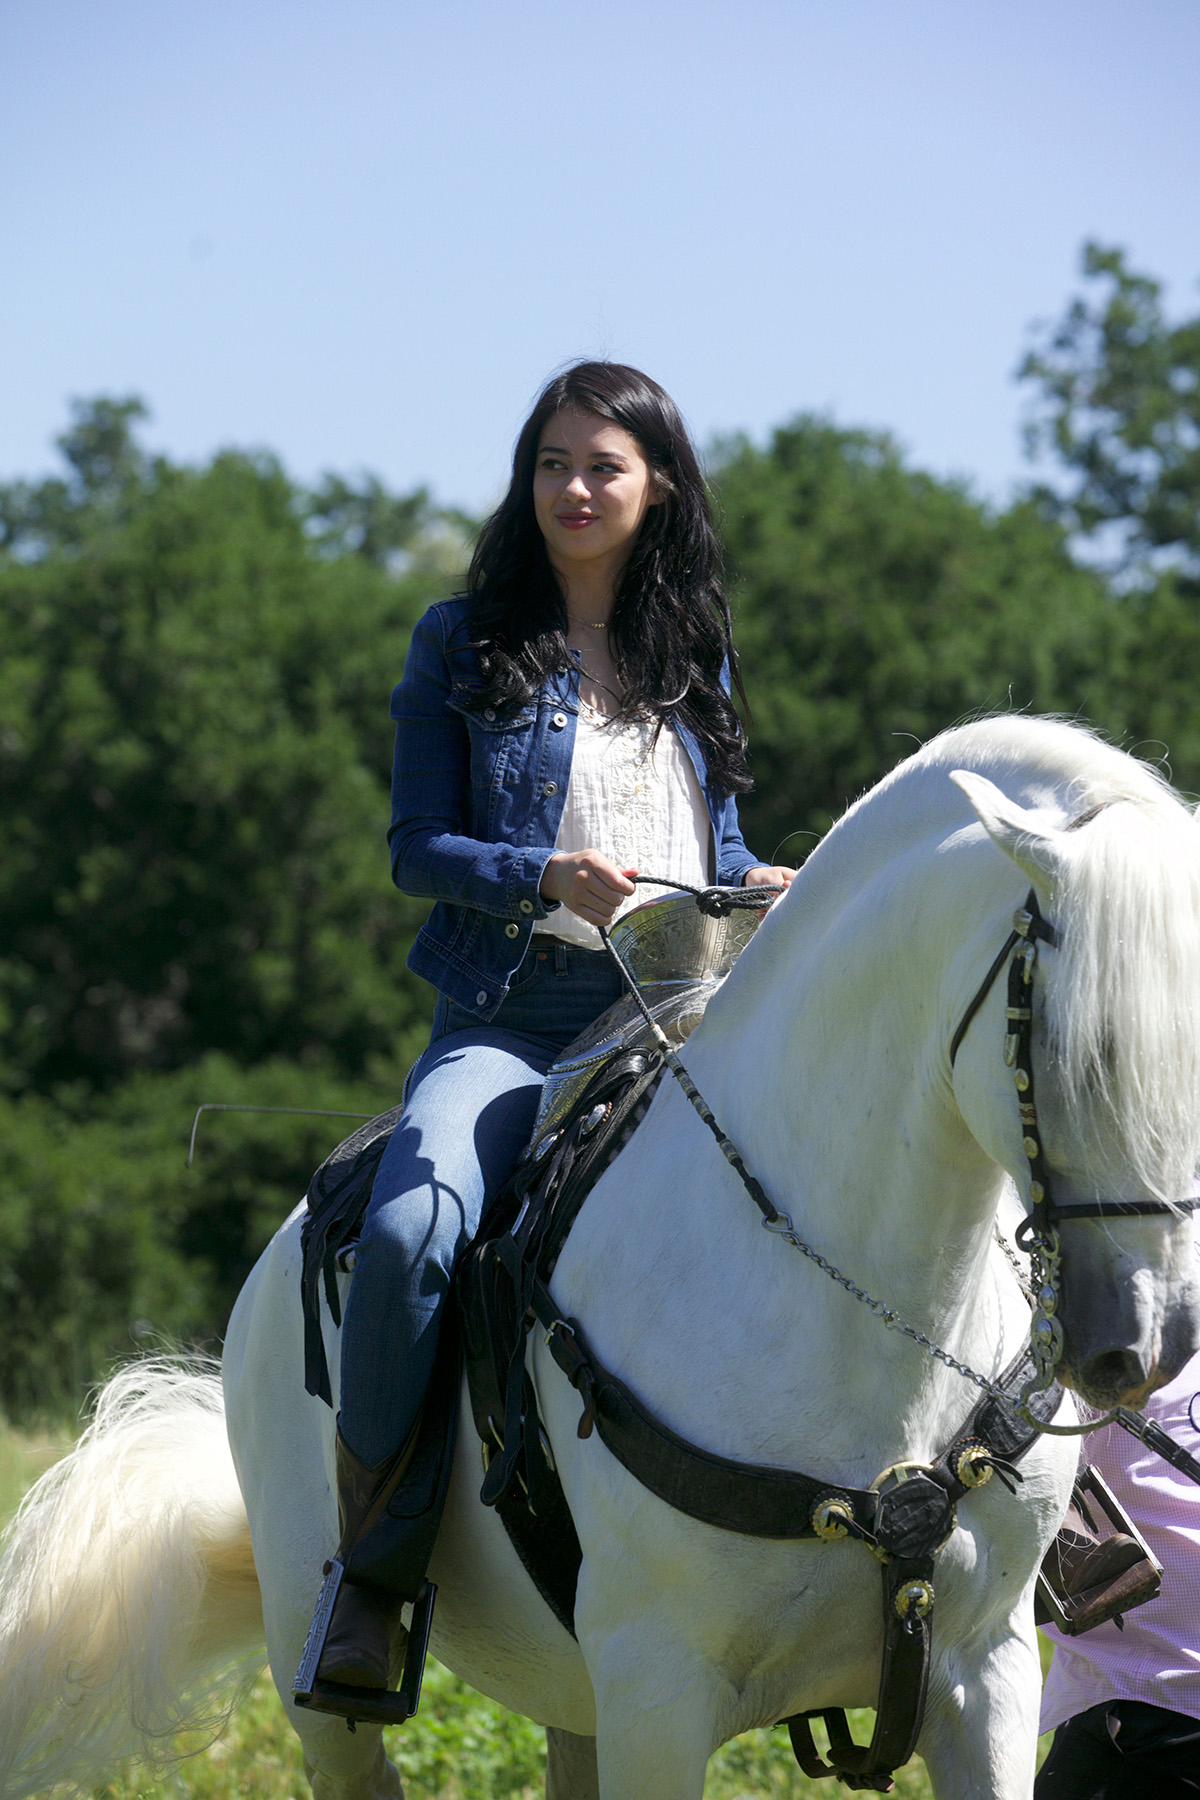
<point x="670" y="631"/>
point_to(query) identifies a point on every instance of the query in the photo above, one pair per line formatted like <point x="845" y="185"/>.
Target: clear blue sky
<point x="361" y="232"/>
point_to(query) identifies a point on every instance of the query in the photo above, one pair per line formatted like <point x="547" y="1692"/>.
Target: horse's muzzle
<point x="1118" y="1377"/>
<point x="1126" y="1374"/>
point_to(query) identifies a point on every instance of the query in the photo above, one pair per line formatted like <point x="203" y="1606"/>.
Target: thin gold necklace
<point x="590" y="624"/>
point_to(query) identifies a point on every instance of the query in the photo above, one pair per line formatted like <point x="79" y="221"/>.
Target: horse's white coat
<point x="826" y="1058"/>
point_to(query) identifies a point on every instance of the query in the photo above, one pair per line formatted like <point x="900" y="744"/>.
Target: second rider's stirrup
<point x="1086" y="1579"/>
<point x="356" y="1630"/>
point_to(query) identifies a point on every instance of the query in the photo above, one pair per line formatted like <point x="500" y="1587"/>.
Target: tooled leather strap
<point x="909" y="1523"/>
<point x="900" y="1705"/>
<point x="755" y="1499"/>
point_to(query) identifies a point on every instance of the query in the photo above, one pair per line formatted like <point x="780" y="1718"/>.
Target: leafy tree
<point x="1118" y="403"/>
<point x="194" y="755"/>
<point x="105" y="469"/>
<point x="193" y="772"/>
<point x="194" y="893"/>
<point x="1119" y="407"/>
<point x="365" y="520"/>
<point x="110" y="1245"/>
<point x="878" y="605"/>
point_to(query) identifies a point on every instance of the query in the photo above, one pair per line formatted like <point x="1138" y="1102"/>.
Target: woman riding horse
<point x="565" y="723"/>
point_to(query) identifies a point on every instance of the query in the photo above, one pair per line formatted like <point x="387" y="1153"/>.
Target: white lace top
<point x="639" y="803"/>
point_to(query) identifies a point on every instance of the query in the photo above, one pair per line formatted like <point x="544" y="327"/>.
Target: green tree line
<point x="195" y="666"/>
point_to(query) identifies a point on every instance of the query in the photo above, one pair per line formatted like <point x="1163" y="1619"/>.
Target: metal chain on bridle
<point x="1037" y="1234"/>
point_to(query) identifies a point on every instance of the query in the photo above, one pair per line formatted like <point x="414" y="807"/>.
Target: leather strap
<point x="905" y="1523"/>
<point x="1038" y="927"/>
<point x="752" y="1498"/>
<point x="900" y="1707"/>
<point x="336" y="1200"/>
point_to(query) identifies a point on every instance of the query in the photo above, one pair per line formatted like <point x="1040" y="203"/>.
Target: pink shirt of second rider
<point x="1157" y="1656"/>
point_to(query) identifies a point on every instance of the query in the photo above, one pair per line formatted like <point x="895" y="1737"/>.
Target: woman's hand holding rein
<point x="591" y="886"/>
<point x="587" y="884"/>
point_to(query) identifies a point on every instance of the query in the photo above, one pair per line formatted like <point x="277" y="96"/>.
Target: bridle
<point x="908" y="1565"/>
<point x="1037" y="1233"/>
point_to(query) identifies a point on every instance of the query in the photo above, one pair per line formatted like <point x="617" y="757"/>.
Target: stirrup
<point x="376" y="1706"/>
<point x="1075" y="1598"/>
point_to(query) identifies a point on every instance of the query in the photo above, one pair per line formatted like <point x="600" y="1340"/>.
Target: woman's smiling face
<point x="592" y="486"/>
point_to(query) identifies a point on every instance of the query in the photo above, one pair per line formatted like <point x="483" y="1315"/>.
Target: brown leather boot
<point x="365" y="1636"/>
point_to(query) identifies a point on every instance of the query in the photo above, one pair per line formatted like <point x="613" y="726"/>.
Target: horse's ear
<point x="1018" y="832"/>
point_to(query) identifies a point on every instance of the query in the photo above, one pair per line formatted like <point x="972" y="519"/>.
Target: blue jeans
<point x="470" y="1110"/>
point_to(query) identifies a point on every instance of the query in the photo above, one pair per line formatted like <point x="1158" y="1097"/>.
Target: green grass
<point x="459" y="1747"/>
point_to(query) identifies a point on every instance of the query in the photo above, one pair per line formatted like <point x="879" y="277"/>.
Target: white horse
<point x="826" y="1059"/>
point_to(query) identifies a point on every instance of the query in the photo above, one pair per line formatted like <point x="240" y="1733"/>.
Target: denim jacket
<point x="476" y="802"/>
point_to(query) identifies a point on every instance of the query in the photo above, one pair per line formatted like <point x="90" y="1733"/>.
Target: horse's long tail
<point x="129" y="1606"/>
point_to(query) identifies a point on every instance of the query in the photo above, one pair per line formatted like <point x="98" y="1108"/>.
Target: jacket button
<point x="558" y="721"/>
<point x="489" y="712"/>
<point x="527" y="906"/>
<point x="512" y="931"/>
<point x="551" y="787"/>
<point x="481" y="997"/>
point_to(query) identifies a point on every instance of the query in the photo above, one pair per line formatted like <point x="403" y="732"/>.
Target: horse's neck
<point x="827" y="1053"/>
<point x="825" y="1060"/>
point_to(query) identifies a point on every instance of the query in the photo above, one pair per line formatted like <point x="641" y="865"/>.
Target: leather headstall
<point x="1030" y="928"/>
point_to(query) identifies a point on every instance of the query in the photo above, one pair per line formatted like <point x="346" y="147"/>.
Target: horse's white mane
<point x="1124" y="888"/>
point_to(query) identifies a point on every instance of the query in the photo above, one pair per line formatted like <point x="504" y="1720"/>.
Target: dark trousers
<point x="1123" y="1750"/>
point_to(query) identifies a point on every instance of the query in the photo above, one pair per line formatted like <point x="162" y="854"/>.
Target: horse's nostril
<point x="1111" y="1374"/>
